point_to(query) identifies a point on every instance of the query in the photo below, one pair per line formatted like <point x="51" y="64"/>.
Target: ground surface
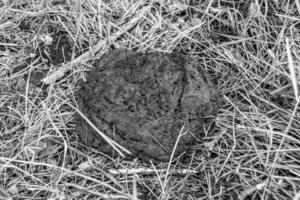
<point x="249" y="48"/>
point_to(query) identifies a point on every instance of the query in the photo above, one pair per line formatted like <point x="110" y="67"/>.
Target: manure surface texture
<point x="142" y="100"/>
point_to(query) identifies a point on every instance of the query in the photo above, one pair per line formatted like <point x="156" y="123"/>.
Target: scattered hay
<point x="251" y="51"/>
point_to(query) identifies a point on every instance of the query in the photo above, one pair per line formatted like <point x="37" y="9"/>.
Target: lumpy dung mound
<point x="142" y="101"/>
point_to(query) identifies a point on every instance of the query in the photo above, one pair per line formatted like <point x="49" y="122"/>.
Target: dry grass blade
<point x="292" y="70"/>
<point x="149" y="171"/>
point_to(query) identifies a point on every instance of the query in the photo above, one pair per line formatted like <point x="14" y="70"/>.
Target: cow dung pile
<point x="143" y="100"/>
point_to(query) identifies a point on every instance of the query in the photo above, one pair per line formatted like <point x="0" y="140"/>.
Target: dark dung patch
<point x="143" y="100"/>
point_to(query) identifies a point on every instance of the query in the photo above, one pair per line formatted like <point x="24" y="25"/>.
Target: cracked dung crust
<point x="143" y="100"/>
